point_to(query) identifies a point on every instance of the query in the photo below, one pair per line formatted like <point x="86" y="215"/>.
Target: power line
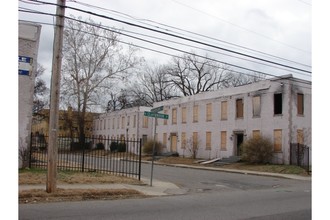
<point x="243" y="28"/>
<point x="177" y="36"/>
<point x="190" y="32"/>
<point x="175" y="49"/>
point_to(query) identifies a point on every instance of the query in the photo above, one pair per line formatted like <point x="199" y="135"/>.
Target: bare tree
<point x="40" y="99"/>
<point x="92" y="61"/>
<point x="153" y="85"/>
<point x="240" y="79"/>
<point x="192" y="74"/>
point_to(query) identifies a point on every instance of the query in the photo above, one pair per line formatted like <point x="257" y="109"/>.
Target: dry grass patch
<point x="36" y="176"/>
<point x="61" y="195"/>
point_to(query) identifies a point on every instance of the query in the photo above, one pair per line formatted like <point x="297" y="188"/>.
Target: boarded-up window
<point x="256" y="133"/>
<point x="184" y="115"/>
<point x="183" y="140"/>
<point x="105" y="124"/>
<point x="123" y="122"/>
<point x="223" y="145"/>
<point x="224" y="110"/>
<point x="278" y="104"/>
<point x="113" y="123"/>
<point x="134" y="121"/>
<point x="164" y="139"/>
<point x="118" y="122"/>
<point x="209" y="112"/>
<point x="300" y="136"/>
<point x="165" y="121"/>
<point x="195" y="140"/>
<point x="256" y="106"/>
<point x="128" y="120"/>
<point x="300" y="104"/>
<point x="145" y="122"/>
<point x="174" y="118"/>
<point x="208" y="140"/>
<point x="109" y="124"/>
<point x="239" y="108"/>
<point x="195" y="113"/>
<point x="278" y="140"/>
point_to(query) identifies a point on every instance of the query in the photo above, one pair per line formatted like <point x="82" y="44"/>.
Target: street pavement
<point x="161" y="188"/>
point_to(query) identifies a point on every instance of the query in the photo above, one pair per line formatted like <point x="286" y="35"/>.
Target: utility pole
<point x="54" y="97"/>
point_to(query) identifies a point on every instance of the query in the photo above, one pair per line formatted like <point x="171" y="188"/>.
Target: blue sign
<point x="24" y="65"/>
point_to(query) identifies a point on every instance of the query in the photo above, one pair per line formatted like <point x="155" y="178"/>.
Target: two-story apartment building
<point x="128" y="124"/>
<point x="218" y="122"/>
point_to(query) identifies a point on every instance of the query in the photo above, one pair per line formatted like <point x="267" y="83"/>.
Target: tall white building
<point x="29" y="36"/>
<point x="218" y="122"/>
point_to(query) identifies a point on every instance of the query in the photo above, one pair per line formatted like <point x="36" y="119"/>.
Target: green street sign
<point x="158" y="109"/>
<point x="155" y="115"/>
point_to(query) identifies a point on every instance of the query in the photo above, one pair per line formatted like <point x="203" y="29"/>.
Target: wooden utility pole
<point x="54" y="97"/>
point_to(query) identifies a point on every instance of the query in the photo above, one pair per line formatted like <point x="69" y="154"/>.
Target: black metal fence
<point x="119" y="157"/>
<point x="300" y="156"/>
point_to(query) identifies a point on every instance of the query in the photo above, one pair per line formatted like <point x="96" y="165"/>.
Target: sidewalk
<point x="160" y="188"/>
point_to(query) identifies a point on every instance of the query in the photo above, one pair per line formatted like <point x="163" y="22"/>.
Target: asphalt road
<point x="208" y="195"/>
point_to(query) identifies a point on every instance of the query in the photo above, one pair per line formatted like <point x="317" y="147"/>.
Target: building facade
<point x="28" y="43"/>
<point x="126" y="124"/>
<point x="216" y="123"/>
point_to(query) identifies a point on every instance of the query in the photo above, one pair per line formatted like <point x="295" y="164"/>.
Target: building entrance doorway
<point x="239" y="138"/>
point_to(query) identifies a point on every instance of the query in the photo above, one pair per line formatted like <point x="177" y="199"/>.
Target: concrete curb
<point x="247" y="172"/>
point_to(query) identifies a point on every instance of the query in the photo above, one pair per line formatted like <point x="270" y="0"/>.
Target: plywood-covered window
<point x="123" y="122"/>
<point x="256" y="106"/>
<point x="184" y="115"/>
<point x="223" y="141"/>
<point x="183" y="140"/>
<point x="256" y="133"/>
<point x="118" y="123"/>
<point x="239" y="108"/>
<point x="224" y="110"/>
<point x="165" y="121"/>
<point x="209" y="112"/>
<point x="278" y="104"/>
<point x="300" y="136"/>
<point x="128" y="120"/>
<point x="195" y="140"/>
<point x="278" y="140"/>
<point x="174" y="116"/>
<point x="300" y="104"/>
<point x="164" y="139"/>
<point x="208" y="140"/>
<point x="145" y="122"/>
<point x="134" y="121"/>
<point x="113" y="123"/>
<point x="195" y="113"/>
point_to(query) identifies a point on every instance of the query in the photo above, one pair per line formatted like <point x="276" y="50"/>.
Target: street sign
<point x="158" y="109"/>
<point x="155" y="115"/>
<point x="24" y="65"/>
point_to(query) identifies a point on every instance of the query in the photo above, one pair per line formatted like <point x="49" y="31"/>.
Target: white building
<point x="128" y="124"/>
<point x="29" y="35"/>
<point x="219" y="121"/>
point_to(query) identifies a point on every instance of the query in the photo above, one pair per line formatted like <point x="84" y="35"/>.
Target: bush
<point x="257" y="150"/>
<point x="113" y="146"/>
<point x="100" y="146"/>
<point x="148" y="146"/>
<point x="121" y="147"/>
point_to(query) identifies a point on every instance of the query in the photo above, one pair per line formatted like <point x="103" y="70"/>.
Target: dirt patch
<point x="61" y="195"/>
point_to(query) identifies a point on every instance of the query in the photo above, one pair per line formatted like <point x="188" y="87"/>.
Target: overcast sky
<point x="275" y="30"/>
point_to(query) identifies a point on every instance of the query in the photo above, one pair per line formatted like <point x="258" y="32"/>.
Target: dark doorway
<point x="239" y="141"/>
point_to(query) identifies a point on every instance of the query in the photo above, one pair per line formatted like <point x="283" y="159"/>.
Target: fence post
<point x="140" y="158"/>
<point x="30" y="155"/>
<point x="83" y="156"/>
